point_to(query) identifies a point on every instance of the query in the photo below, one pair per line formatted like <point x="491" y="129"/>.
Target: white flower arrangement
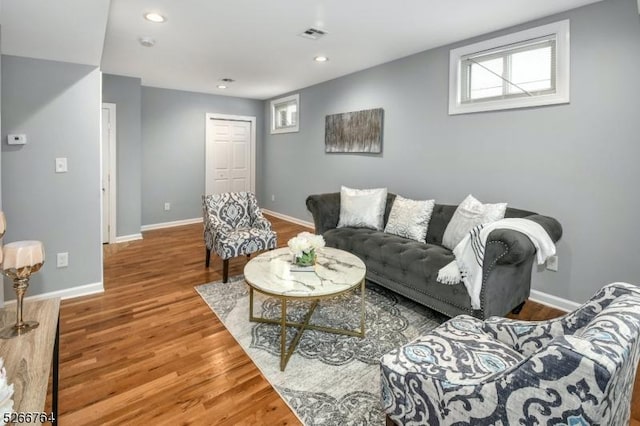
<point x="6" y="392"/>
<point x="304" y="244"/>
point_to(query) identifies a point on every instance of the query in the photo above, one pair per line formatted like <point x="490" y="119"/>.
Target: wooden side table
<point x="28" y="358"/>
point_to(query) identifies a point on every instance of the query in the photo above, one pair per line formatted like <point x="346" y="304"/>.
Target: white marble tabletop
<point x="335" y="271"/>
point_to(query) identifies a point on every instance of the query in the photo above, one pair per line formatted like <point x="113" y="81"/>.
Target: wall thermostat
<point x="16" y="139"/>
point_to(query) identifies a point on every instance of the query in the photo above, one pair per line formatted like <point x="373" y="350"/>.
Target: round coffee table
<point x="273" y="273"/>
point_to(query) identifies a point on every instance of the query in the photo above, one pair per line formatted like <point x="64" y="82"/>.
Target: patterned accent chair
<point x="578" y="369"/>
<point x="234" y="226"/>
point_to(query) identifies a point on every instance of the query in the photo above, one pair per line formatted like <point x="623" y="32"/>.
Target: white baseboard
<point x="127" y="238"/>
<point x="171" y="224"/>
<point x="289" y="218"/>
<point x="67" y="293"/>
<point x="553" y="301"/>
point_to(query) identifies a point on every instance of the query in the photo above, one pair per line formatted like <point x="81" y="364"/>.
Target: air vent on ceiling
<point x="313" y="33"/>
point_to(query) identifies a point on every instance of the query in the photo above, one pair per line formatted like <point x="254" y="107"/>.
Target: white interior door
<point x="108" y="172"/>
<point x="229" y="156"/>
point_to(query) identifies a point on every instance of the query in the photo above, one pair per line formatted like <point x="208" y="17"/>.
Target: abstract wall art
<point x="357" y="131"/>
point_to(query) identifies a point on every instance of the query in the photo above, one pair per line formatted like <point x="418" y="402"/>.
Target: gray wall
<point x="126" y="93"/>
<point x="57" y="105"/>
<point x="173" y="149"/>
<point x="1" y="141"/>
<point x="575" y="162"/>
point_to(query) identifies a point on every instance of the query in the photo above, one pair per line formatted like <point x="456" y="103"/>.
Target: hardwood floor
<point x="150" y="351"/>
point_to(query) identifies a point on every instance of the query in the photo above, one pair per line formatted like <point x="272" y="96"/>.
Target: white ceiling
<point x="58" y="30"/>
<point x="254" y="42"/>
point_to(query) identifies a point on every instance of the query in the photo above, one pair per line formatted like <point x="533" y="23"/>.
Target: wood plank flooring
<point x="149" y="351"/>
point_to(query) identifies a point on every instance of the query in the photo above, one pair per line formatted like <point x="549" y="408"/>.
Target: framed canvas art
<point x="357" y="131"/>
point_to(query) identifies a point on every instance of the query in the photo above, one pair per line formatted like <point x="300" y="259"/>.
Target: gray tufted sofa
<point x="410" y="268"/>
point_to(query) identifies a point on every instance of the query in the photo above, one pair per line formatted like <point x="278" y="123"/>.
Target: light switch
<point x="61" y="165"/>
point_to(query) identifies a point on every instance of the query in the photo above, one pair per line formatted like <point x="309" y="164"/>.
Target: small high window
<point x="284" y="114"/>
<point x="528" y="68"/>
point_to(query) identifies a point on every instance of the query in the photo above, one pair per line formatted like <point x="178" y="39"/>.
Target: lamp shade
<point x="22" y="253"/>
<point x="3" y="224"/>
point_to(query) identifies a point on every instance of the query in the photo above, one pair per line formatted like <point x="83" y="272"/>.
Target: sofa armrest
<point x="529" y="336"/>
<point x="551" y="225"/>
<point x="557" y="378"/>
<point x="258" y="220"/>
<point x="325" y="209"/>
<point x="506" y="271"/>
<point x="213" y="226"/>
<point x="506" y="246"/>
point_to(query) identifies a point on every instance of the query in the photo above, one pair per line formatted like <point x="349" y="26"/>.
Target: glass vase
<point x="307" y="258"/>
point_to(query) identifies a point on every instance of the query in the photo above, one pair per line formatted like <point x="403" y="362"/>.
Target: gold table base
<point x="285" y="353"/>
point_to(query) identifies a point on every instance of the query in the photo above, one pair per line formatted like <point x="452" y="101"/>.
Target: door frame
<point x="112" y="187"/>
<point x="209" y="125"/>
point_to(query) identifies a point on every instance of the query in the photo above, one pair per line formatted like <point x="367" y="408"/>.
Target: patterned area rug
<point x="330" y="379"/>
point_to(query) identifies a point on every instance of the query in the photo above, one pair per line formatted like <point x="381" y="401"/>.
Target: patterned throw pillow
<point x="469" y="214"/>
<point x="362" y="208"/>
<point x="410" y="218"/>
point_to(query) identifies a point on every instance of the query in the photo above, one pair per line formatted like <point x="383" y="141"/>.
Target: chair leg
<point x="225" y="270"/>
<point x="207" y="258"/>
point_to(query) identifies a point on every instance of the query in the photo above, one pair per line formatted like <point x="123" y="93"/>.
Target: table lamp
<point x="20" y="260"/>
<point x="3" y="227"/>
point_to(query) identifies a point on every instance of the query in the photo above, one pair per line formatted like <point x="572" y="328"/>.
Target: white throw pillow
<point x="470" y="213"/>
<point x="410" y="218"/>
<point x="362" y="208"/>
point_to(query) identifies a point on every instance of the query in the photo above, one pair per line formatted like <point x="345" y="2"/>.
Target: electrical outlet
<point x="273" y="197"/>
<point x="62" y="260"/>
<point x="552" y="263"/>
<point x="61" y="165"/>
<point x="167" y="207"/>
<point x="16" y="139"/>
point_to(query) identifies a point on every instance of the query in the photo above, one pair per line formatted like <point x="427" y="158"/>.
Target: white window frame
<point x="288" y="129"/>
<point x="561" y="94"/>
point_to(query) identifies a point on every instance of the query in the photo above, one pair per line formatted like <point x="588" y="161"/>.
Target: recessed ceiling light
<point x="147" y="41"/>
<point x="321" y="59"/>
<point x="155" y="17"/>
<point x="221" y="86"/>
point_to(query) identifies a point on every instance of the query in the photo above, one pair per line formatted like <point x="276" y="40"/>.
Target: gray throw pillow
<point x="362" y="208"/>
<point x="469" y="214"/>
<point x="410" y="218"/>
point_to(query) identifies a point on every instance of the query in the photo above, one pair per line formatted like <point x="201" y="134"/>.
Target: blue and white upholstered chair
<point x="234" y="226"/>
<point x="578" y="369"/>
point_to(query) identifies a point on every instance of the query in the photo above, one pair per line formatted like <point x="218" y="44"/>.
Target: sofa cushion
<point x="468" y="215"/>
<point x="362" y="207"/>
<point x="387" y="249"/>
<point x="410" y="218"/>
<point x="399" y="262"/>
